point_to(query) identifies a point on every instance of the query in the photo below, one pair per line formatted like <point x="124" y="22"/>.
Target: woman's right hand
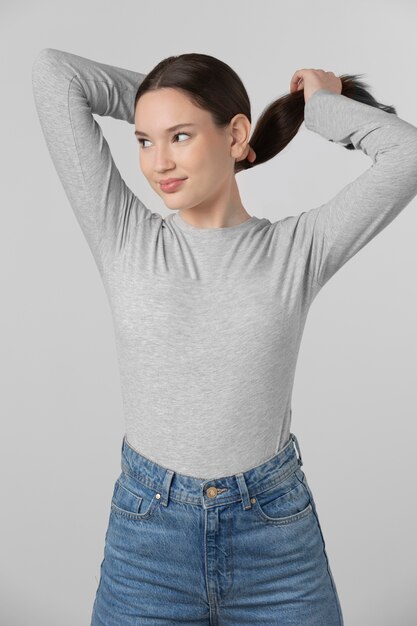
<point x="311" y="80"/>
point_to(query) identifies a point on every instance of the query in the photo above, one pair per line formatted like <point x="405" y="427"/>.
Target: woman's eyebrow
<point x="168" y="130"/>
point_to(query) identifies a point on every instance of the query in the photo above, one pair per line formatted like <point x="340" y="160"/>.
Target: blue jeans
<point x="242" y="549"/>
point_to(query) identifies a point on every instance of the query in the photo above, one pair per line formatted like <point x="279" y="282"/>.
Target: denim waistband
<point x="217" y="491"/>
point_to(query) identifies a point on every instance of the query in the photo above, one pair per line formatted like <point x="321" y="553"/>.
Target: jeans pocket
<point x="132" y="499"/>
<point x="284" y="503"/>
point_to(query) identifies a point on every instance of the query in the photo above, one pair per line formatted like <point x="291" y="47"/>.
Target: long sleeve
<point x="329" y="235"/>
<point x="68" y="89"/>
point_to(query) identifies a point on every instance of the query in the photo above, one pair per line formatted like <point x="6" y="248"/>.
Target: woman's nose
<point x="163" y="160"/>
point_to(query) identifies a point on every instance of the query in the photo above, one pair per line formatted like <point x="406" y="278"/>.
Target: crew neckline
<point x="186" y="226"/>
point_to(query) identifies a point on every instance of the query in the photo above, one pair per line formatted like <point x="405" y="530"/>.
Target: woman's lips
<point x="172" y="186"/>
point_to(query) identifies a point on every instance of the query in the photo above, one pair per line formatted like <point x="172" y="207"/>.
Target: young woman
<point x="212" y="520"/>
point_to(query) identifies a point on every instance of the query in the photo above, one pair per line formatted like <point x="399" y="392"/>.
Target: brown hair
<point x="214" y="86"/>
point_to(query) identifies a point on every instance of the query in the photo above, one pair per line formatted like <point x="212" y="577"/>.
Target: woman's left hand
<point x="311" y="80"/>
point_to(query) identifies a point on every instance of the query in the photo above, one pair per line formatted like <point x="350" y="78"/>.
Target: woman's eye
<point x="141" y="142"/>
<point x="177" y="135"/>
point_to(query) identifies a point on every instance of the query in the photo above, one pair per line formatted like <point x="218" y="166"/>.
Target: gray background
<point x="354" y="401"/>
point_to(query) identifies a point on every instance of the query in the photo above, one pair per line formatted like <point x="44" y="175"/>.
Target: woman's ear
<point x="239" y="132"/>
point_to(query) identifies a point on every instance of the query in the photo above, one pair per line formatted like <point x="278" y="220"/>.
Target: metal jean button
<point x="212" y="492"/>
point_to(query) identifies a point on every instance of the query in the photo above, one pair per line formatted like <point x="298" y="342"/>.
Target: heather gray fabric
<point x="208" y="322"/>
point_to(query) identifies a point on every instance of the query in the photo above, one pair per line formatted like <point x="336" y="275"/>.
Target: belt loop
<point x="294" y="438"/>
<point x="166" y="485"/>
<point x="243" y="488"/>
<point x="122" y="451"/>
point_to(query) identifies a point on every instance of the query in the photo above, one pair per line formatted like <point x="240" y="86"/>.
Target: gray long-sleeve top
<point x="208" y="321"/>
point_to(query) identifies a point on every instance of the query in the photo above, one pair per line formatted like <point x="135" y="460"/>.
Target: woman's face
<point x="200" y="153"/>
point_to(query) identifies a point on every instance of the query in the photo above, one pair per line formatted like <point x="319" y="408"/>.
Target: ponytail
<point x="280" y="121"/>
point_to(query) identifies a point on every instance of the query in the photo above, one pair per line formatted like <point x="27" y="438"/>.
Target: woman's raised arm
<point x="329" y="235"/>
<point x="68" y="89"/>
